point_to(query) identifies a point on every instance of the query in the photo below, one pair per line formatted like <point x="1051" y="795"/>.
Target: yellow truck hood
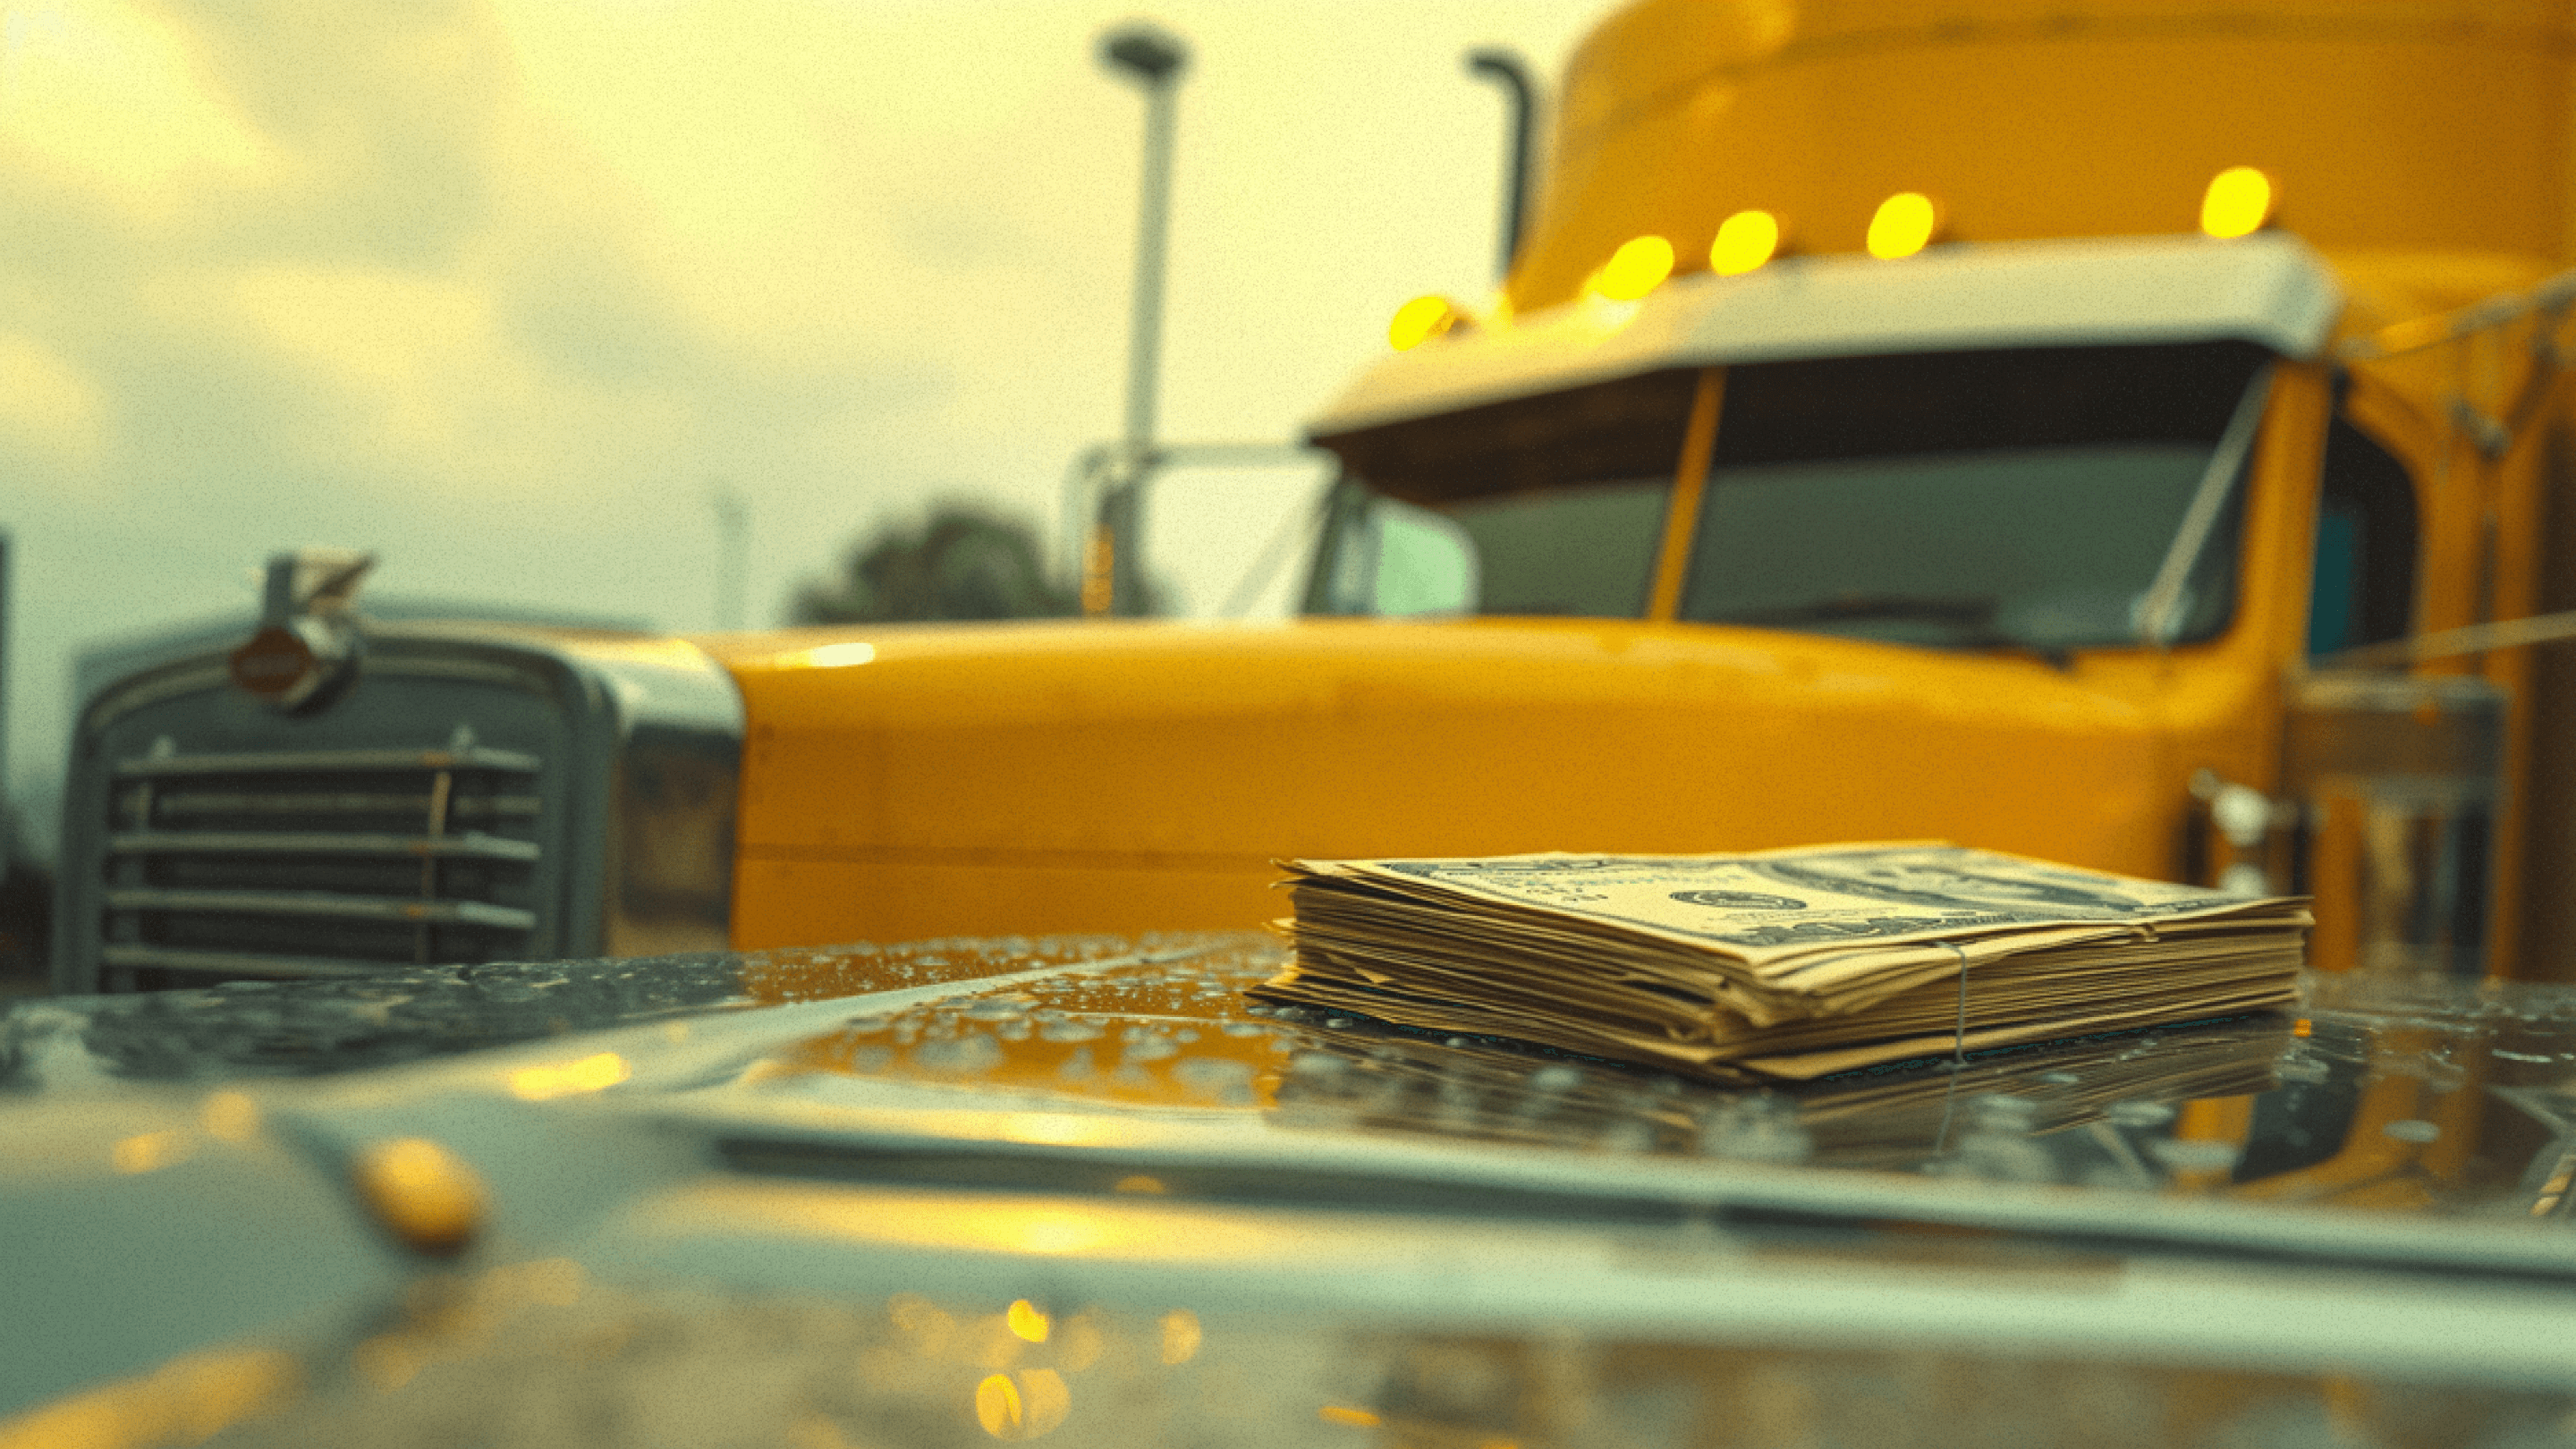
<point x="915" y="780"/>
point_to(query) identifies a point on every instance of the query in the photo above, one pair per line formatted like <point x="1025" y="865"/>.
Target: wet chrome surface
<point x="813" y="1183"/>
<point x="2427" y="1096"/>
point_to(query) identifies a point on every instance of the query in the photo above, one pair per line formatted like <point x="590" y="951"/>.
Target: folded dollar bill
<point x="1784" y="964"/>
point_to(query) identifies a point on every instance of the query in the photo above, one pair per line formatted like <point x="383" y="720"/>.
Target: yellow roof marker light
<point x="2238" y="203"/>
<point x="1422" y="319"/>
<point x="1905" y="223"/>
<point x="1744" y="242"/>
<point x="1639" y="266"/>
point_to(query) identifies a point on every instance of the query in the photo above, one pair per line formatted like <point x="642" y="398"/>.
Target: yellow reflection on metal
<point x="1147" y="1186"/>
<point x="1022" y="1406"/>
<point x="988" y="1343"/>
<point x="829" y="656"/>
<point x="185" y="1401"/>
<point x="956" y="1223"/>
<point x="566" y="1079"/>
<point x="147" y="1151"/>
<point x="929" y="1327"/>
<point x="555" y="1282"/>
<point x="1059" y="1129"/>
<point x="1638" y="267"/>
<point x="2238" y="202"/>
<point x="1056" y="1232"/>
<point x="1904" y="224"/>
<point x="1420" y="320"/>
<point x="1345" y="1414"/>
<point x="1026" y="1321"/>
<point x="390" y="1360"/>
<point x="1181" y="1336"/>
<point x="998" y="1407"/>
<point x="1082" y="1343"/>
<point x="426" y="1195"/>
<point x="1744" y="242"/>
<point x="229" y="1116"/>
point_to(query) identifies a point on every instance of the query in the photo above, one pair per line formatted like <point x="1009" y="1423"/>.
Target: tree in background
<point x="26" y="909"/>
<point x="962" y="562"/>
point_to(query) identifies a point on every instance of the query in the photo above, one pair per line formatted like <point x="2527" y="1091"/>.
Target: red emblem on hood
<point x="274" y="664"/>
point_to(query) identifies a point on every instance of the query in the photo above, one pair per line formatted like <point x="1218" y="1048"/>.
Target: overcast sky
<point x="502" y="288"/>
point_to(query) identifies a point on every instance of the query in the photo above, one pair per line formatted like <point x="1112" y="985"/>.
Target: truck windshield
<point x="2008" y="497"/>
<point x="1541" y="505"/>
<point x="2022" y="497"/>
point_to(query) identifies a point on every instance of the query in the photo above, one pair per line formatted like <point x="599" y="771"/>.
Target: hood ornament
<point x="307" y="640"/>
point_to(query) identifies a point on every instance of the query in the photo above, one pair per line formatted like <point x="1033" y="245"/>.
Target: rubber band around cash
<point x="1958" y="1051"/>
<point x="1959" y="1037"/>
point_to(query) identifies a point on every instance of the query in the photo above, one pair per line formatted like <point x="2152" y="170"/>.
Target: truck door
<point x="2397" y="778"/>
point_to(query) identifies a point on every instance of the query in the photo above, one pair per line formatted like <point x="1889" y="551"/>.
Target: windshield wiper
<point x="1970" y="618"/>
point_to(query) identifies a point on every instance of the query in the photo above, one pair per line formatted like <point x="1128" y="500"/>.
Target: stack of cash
<point x="1787" y="964"/>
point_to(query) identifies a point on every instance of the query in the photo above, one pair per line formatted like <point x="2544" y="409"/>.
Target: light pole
<point x="1113" y="573"/>
<point x="733" y="550"/>
<point x="1507" y="70"/>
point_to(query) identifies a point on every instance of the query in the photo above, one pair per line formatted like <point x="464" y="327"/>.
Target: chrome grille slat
<point x="321" y="861"/>
<point x="315" y="761"/>
<point x="319" y="903"/>
<point x="472" y="845"/>
<point x="202" y="802"/>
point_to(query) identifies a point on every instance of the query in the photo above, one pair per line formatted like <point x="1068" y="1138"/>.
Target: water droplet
<point x="1071" y="1031"/>
<point x="2194" y="1154"/>
<point x="2005" y="1156"/>
<point x="1756" y="1129"/>
<point x="1152" y="1049"/>
<point x="2002" y="1112"/>
<point x="1322" y="1067"/>
<point x="1078" y="1067"/>
<point x="1557" y="1078"/>
<point x="2300" y="1067"/>
<point x="1212" y="1075"/>
<point x="2413" y="1129"/>
<point x="1627" y="1134"/>
<point x="970" y="1055"/>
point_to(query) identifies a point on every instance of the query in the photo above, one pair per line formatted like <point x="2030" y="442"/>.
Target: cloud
<point x="499" y="287"/>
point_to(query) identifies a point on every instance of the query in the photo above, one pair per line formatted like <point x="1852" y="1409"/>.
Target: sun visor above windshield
<point x="2269" y="289"/>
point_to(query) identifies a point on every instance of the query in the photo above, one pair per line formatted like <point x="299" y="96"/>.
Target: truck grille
<point x="320" y="862"/>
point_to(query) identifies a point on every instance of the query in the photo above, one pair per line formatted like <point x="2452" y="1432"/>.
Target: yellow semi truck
<point x="2074" y="427"/>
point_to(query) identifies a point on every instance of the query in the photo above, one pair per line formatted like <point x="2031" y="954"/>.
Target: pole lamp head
<point x="1146" y="51"/>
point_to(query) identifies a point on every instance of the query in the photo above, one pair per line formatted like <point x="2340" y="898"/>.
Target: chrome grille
<point x="320" y="862"/>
